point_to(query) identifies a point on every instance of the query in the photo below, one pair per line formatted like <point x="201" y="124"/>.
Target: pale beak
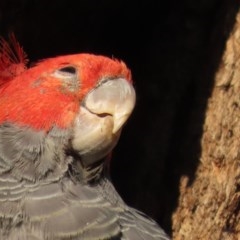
<point x="113" y="97"/>
<point x="101" y="117"/>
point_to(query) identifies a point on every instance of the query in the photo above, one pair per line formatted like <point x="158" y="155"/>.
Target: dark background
<point x="173" y="49"/>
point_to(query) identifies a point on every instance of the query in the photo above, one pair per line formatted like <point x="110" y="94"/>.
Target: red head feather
<point x="13" y="59"/>
<point x="37" y="97"/>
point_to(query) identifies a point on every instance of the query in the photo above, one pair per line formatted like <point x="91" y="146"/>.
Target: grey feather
<point x="32" y="155"/>
<point x="47" y="194"/>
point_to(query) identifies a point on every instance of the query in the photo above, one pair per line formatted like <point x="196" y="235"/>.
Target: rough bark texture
<point x="173" y="49"/>
<point x="209" y="207"/>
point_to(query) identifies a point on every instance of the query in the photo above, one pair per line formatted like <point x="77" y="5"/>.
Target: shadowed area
<point x="173" y="49"/>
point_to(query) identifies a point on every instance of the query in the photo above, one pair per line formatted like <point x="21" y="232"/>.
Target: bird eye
<point x="66" y="72"/>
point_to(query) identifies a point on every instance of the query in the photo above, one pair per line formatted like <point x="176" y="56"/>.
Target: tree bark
<point x="209" y="207"/>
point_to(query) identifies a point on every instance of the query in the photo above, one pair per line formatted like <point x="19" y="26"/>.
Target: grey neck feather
<point x="39" y="156"/>
<point x="85" y="173"/>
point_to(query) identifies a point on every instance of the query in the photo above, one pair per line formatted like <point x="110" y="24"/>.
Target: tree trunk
<point x="209" y="207"/>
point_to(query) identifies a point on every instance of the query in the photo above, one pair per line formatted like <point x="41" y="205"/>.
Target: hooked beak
<point x="102" y="114"/>
<point x="113" y="97"/>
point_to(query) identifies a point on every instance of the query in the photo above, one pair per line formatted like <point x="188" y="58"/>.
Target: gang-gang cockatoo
<point x="59" y="120"/>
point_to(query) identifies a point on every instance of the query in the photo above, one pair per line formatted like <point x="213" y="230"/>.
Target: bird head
<point x="91" y="96"/>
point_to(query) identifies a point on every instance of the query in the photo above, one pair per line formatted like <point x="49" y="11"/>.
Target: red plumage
<point x="36" y="97"/>
<point x="59" y="122"/>
<point x="13" y="59"/>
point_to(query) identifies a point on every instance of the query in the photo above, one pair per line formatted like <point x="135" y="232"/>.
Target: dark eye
<point x="68" y="70"/>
